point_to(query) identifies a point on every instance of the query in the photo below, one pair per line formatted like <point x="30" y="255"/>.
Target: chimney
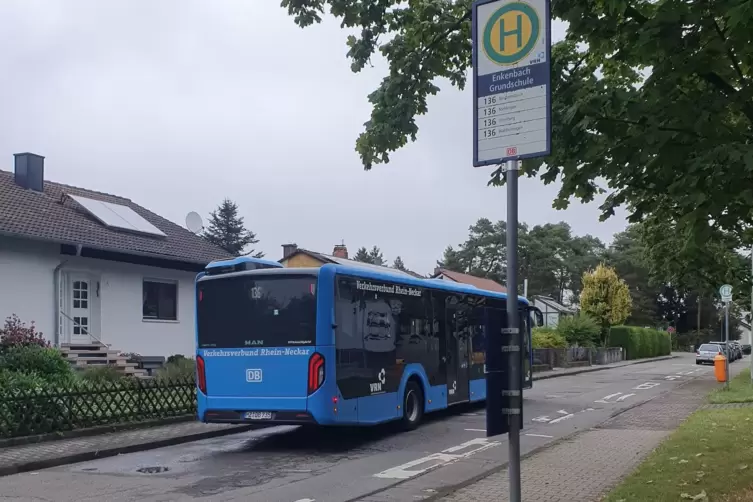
<point x="288" y="249"/>
<point x="340" y="251"/>
<point x="29" y="169"/>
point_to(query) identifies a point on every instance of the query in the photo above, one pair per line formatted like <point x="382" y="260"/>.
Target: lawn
<point x="709" y="458"/>
<point x="740" y="391"/>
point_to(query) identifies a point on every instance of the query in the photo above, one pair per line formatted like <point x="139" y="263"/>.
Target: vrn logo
<point x="377" y="386"/>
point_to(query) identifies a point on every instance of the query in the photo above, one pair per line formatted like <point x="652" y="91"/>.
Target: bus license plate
<point x="258" y="415"/>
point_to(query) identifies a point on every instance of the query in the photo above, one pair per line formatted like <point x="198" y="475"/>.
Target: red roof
<point x="472" y="280"/>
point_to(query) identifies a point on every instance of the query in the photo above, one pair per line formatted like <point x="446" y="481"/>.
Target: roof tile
<point x="52" y="216"/>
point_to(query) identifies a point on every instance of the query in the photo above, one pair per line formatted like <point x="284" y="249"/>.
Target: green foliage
<point x="641" y="91"/>
<point x="547" y="338"/>
<point x="639" y="342"/>
<point x="97" y="374"/>
<point x="174" y="358"/>
<point x="47" y="363"/>
<point x="551" y="258"/>
<point x="227" y="230"/>
<point x="579" y="330"/>
<point x="374" y="256"/>
<point x="398" y="264"/>
<point x="181" y="368"/>
<point x="606" y="298"/>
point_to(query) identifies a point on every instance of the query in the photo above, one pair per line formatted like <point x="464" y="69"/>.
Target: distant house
<point x="295" y="257"/>
<point x="745" y="332"/>
<point x="95" y="270"/>
<point x="472" y="280"/>
<point x="552" y="310"/>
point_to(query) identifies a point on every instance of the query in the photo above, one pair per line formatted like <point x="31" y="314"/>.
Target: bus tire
<point x="413" y="405"/>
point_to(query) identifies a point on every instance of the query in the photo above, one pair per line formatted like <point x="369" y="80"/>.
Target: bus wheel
<point x="413" y="405"/>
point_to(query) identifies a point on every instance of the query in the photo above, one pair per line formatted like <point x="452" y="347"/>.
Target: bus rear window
<point x="257" y="311"/>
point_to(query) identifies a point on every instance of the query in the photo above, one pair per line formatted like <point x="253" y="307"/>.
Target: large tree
<point x="373" y="256"/>
<point x="227" y="230"/>
<point x="655" y="98"/>
<point x="605" y="298"/>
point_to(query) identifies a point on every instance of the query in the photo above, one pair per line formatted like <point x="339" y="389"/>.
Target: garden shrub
<point x="98" y="374"/>
<point x="547" y="338"/>
<point x="16" y="333"/>
<point x="640" y="342"/>
<point x="46" y="362"/>
<point x="179" y="369"/>
<point x="581" y="330"/>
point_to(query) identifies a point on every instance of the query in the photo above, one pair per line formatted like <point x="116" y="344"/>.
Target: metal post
<point x="514" y="375"/>
<point x="726" y="341"/>
<point x="750" y="331"/>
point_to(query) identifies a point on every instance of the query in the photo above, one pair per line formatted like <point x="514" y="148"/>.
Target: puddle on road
<point x="157" y="469"/>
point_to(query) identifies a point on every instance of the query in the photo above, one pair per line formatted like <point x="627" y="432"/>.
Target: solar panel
<point x="117" y="216"/>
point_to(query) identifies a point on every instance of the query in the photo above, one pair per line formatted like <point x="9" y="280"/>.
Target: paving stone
<point x="25" y="454"/>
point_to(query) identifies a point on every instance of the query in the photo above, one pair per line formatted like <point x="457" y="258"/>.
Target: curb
<point x="111" y="452"/>
<point x="94" y="431"/>
<point x="589" y="369"/>
<point x="449" y="490"/>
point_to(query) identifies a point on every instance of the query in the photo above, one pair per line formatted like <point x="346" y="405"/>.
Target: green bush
<point x="175" y="357"/>
<point x="179" y="369"/>
<point x="579" y="330"/>
<point x="639" y="342"/>
<point x="547" y="338"/>
<point x="98" y="374"/>
<point x="47" y="363"/>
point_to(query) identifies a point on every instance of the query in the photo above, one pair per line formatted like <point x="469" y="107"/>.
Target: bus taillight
<point x="201" y="374"/>
<point x="316" y="372"/>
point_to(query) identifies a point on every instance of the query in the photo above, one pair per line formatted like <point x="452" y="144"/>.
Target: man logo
<point x="377" y="386"/>
<point x="253" y="376"/>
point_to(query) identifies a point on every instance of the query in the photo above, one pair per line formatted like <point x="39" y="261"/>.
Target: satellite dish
<point x="194" y="222"/>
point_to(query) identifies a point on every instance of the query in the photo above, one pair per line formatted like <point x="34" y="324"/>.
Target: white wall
<point x="27" y="289"/>
<point x="26" y="282"/>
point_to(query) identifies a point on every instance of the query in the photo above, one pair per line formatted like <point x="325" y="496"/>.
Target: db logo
<point x="253" y="376"/>
<point x="513" y="150"/>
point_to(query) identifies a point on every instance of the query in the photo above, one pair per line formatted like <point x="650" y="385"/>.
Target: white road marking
<point x="476" y="430"/>
<point x="563" y="412"/>
<point x="606" y="399"/>
<point x="306" y="500"/>
<point x="646" y="386"/>
<point x="539" y="436"/>
<point x="562" y="419"/>
<point x="622" y="398"/>
<point x="672" y="378"/>
<point x="435" y="460"/>
<point x="542" y="418"/>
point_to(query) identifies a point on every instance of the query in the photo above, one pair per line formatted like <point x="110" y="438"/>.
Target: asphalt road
<point x="288" y="464"/>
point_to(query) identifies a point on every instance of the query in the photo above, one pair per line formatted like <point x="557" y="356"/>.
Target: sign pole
<point x="511" y="122"/>
<point x="750" y="331"/>
<point x="726" y="340"/>
<point x="514" y="340"/>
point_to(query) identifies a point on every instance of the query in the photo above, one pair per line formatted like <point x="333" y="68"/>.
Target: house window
<point x="160" y="300"/>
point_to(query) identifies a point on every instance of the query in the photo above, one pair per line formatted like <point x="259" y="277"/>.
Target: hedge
<point x="639" y="343"/>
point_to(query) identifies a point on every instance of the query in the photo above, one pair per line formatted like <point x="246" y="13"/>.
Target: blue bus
<point x="339" y="345"/>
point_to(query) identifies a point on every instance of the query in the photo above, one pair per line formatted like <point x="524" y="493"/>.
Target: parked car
<point x="746" y="349"/>
<point x="729" y="352"/>
<point x="738" y="349"/>
<point x="706" y="353"/>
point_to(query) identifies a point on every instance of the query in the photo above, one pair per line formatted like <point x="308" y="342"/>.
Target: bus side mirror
<point x="539" y="316"/>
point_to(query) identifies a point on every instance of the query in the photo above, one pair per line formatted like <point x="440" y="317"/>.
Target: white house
<point x="89" y="267"/>
<point x="745" y="333"/>
<point x="552" y="310"/>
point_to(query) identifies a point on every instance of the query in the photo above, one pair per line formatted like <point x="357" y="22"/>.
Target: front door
<point x="80" y="312"/>
<point x="458" y="364"/>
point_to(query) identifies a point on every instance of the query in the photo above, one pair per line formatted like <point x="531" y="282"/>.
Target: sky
<point x="178" y="104"/>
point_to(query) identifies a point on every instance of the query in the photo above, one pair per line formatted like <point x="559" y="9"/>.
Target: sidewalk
<point x="47" y="454"/>
<point x="589" y="464"/>
<point x="37" y="456"/>
<point x="558" y="372"/>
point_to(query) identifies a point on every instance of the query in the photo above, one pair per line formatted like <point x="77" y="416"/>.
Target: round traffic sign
<point x="725" y="291"/>
<point x="511" y="33"/>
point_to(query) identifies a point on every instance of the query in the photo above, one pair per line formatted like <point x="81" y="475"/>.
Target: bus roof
<point x="419" y="283"/>
<point x="355" y="271"/>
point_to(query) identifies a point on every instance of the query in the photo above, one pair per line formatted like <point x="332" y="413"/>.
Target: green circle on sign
<point x="726" y="290"/>
<point x="523" y="31"/>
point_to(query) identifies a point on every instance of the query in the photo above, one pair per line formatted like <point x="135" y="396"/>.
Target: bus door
<point x="458" y="351"/>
